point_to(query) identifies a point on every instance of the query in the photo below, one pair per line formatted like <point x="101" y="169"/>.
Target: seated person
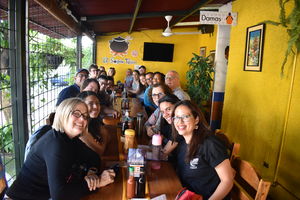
<point x="101" y="68"/>
<point x="105" y="100"/>
<point x="158" y="78"/>
<point x="144" y="86"/>
<point x="93" y="69"/>
<point x="202" y="161"/>
<point x="97" y="135"/>
<point x="111" y="72"/>
<point x="73" y="90"/>
<point x="137" y="88"/>
<point x="173" y="81"/>
<point x="152" y="125"/>
<point x="90" y="84"/>
<point x="110" y="85"/>
<point x="142" y="69"/>
<point x="149" y="106"/>
<point x="57" y="166"/>
<point x="166" y="107"/>
<point x="128" y="79"/>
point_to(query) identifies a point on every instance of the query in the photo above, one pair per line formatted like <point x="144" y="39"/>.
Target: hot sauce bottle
<point x="130" y="184"/>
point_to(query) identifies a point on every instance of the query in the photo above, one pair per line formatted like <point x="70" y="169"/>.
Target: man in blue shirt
<point x="73" y="90"/>
<point x="149" y="106"/>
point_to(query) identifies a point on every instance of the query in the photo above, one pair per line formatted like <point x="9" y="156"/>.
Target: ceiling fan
<point x="168" y="32"/>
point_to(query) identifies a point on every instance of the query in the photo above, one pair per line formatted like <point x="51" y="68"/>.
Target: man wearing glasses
<point x="73" y="90"/>
<point x="172" y="80"/>
<point x="105" y="100"/>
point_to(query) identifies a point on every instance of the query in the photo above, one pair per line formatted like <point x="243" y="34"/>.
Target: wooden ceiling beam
<point x="136" y="11"/>
<point x="53" y="8"/>
<point x="129" y="16"/>
<point x="190" y="12"/>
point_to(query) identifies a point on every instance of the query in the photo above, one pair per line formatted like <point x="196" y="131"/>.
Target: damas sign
<point x="220" y="18"/>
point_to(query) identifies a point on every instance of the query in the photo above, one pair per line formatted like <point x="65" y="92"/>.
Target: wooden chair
<point x="247" y="183"/>
<point x="232" y="147"/>
<point x="3" y="185"/>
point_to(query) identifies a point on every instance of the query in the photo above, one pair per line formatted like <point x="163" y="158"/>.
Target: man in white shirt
<point x="172" y="80"/>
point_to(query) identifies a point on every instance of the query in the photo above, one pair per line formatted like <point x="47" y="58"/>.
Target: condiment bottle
<point x="129" y="139"/>
<point x="156" y="146"/>
<point x="141" y="186"/>
<point x="125" y="126"/>
<point x="130" y="184"/>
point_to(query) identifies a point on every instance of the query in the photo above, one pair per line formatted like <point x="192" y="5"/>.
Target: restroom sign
<point x="220" y="18"/>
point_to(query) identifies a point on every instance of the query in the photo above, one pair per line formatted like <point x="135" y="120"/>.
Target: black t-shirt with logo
<point x="199" y="174"/>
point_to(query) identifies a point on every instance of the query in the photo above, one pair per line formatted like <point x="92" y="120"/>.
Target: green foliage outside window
<point x="41" y="48"/>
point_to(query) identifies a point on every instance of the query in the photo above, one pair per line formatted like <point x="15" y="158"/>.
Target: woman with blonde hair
<point x="57" y="166"/>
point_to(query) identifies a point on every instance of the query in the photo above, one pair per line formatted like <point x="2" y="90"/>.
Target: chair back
<point x="3" y="185"/>
<point x="232" y="147"/>
<point x="247" y="182"/>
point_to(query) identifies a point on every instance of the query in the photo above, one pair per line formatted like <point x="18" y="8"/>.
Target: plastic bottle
<point x="156" y="146"/>
<point x="130" y="184"/>
<point x="129" y="139"/>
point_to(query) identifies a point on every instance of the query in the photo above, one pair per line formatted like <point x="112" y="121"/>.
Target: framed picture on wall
<point x="211" y="57"/>
<point x="254" y="48"/>
<point x="202" y="51"/>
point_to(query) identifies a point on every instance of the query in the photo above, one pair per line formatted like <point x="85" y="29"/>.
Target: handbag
<point x="185" y="194"/>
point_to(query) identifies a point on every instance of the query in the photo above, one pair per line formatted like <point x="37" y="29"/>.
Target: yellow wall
<point x="255" y="103"/>
<point x="184" y="46"/>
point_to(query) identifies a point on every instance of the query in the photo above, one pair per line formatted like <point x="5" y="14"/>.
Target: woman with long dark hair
<point x="202" y="161"/>
<point x="97" y="135"/>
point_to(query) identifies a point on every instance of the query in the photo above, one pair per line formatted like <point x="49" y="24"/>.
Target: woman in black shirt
<point x="202" y="161"/>
<point x="53" y="168"/>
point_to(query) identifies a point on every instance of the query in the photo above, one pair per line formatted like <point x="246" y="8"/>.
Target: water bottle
<point x="156" y="146"/>
<point x="140" y="124"/>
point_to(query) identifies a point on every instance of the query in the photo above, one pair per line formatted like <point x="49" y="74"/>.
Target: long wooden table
<point x="158" y="182"/>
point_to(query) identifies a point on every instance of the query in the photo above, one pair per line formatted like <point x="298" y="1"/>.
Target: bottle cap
<point x="156" y="139"/>
<point x="130" y="132"/>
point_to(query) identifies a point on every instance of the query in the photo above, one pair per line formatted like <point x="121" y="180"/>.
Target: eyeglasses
<point x="158" y="95"/>
<point x="149" y="79"/>
<point x="82" y="75"/>
<point x="78" y="114"/>
<point x="169" y="78"/>
<point x="184" y="118"/>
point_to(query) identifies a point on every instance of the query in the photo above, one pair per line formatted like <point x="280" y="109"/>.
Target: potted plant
<point x="199" y="79"/>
